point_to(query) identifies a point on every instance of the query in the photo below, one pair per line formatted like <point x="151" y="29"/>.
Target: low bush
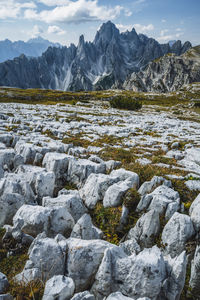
<point x="122" y="102"/>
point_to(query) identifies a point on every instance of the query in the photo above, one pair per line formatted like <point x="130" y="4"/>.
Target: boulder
<point x="42" y="182"/>
<point x="4" y="284"/>
<point x="80" y="169"/>
<point x="149" y="186"/>
<point x="174" y="283"/>
<point x="195" y="274"/>
<point x="195" y="217"/>
<point x="163" y="199"/>
<point x="114" y="194"/>
<point x="7" y="158"/>
<point x="17" y="183"/>
<point x="84" y="229"/>
<point x="28" y="151"/>
<point x="46" y="259"/>
<point x="124" y="175"/>
<point x="118" y="296"/>
<point x="146" y="229"/>
<point x="134" y="276"/>
<point x="178" y="230"/>
<point x="83" y="296"/>
<point x="33" y="220"/>
<point x="6" y="297"/>
<point x="194" y="204"/>
<point x="71" y="201"/>
<point x="127" y="179"/>
<point x="83" y="260"/>
<point x="59" y="287"/>
<point x="9" y="205"/>
<point x="57" y="163"/>
<point x="95" y="187"/>
<point x="6" y="139"/>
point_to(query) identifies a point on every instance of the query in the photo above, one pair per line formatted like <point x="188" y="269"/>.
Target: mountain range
<point x="168" y="73"/>
<point x="102" y="64"/>
<point x="33" y="47"/>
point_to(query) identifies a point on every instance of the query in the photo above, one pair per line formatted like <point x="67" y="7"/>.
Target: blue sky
<point x="65" y="20"/>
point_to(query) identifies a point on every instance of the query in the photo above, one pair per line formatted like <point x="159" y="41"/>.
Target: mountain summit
<point x="102" y="64"/>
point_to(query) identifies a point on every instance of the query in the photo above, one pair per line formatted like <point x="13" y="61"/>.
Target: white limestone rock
<point x="194" y="204"/>
<point x="163" y="199"/>
<point x="113" y="195"/>
<point x="57" y="163"/>
<point x="4" y="284"/>
<point x="176" y="268"/>
<point x="7" y="158"/>
<point x="118" y="296"/>
<point x="85" y="230"/>
<point x="33" y="220"/>
<point x="45" y="184"/>
<point x="59" y="287"/>
<point x="146" y="229"/>
<point x="193" y="185"/>
<point x="6" y="139"/>
<point x="28" y="151"/>
<point x="9" y="205"/>
<point x="83" y="296"/>
<point x="148" y="186"/>
<point x="6" y="297"/>
<point x="42" y="182"/>
<point x="95" y="188"/>
<point x="83" y="260"/>
<point x="46" y="259"/>
<point x="195" y="273"/>
<point x="124" y="175"/>
<point x="130" y="247"/>
<point x="80" y="169"/>
<point x="134" y="276"/>
<point x="178" y="230"/>
<point x="72" y="201"/>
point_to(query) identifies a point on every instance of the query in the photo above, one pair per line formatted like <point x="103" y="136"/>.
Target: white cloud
<point x="54" y="2"/>
<point x="36" y="31"/>
<point x="166" y="37"/>
<point x="123" y="28"/>
<point x="163" y="21"/>
<point x="143" y="28"/>
<point x="76" y="12"/>
<point x="127" y="12"/>
<point x="56" y="30"/>
<point x="13" y="9"/>
<point x="162" y="33"/>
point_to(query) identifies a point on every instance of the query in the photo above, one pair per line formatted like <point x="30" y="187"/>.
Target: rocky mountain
<point x="168" y="73"/>
<point x="104" y="63"/>
<point x="33" y="47"/>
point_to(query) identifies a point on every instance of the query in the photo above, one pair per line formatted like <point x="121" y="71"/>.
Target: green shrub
<point x="125" y="103"/>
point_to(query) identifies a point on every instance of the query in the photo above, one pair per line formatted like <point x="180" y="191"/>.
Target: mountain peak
<point x="106" y="32"/>
<point x="38" y="39"/>
<point x="81" y="40"/>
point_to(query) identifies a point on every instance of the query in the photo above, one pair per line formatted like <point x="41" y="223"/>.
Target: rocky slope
<point x="168" y="73"/>
<point x="125" y="231"/>
<point x="102" y="64"/>
<point x="33" y="47"/>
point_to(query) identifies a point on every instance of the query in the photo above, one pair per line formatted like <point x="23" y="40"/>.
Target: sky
<point x="64" y="21"/>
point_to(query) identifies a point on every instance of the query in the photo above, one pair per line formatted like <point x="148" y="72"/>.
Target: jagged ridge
<point x="169" y="73"/>
<point x="104" y="63"/>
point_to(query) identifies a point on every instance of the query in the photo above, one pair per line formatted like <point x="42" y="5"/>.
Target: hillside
<point x="168" y="73"/>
